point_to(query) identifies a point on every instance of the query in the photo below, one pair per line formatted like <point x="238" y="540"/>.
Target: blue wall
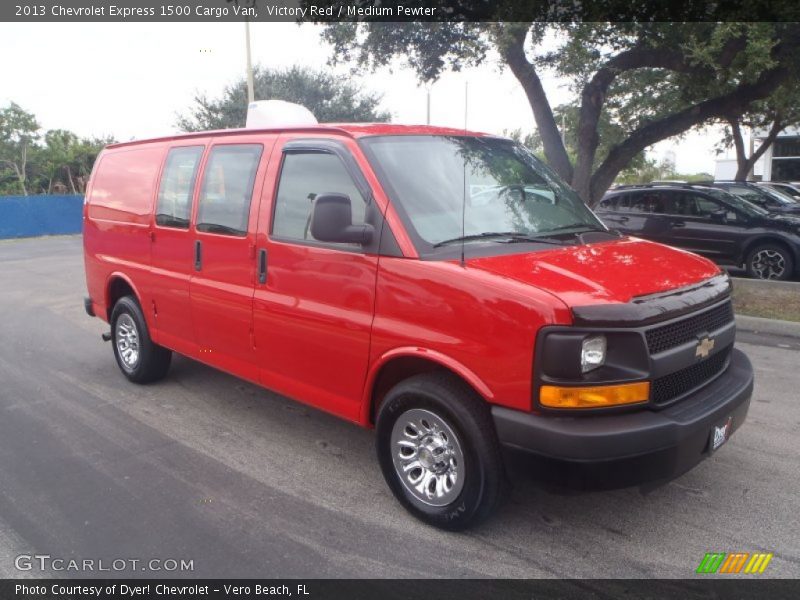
<point x="28" y="216"/>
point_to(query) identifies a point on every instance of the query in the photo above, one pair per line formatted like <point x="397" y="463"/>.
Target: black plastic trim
<point x="681" y="428"/>
<point x="555" y="361"/>
<point x="87" y="306"/>
<point x="652" y="308"/>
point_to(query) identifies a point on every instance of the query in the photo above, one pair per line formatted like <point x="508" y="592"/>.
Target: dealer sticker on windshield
<point x="720" y="434"/>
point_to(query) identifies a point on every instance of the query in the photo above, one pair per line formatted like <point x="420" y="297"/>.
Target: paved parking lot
<point x="246" y="483"/>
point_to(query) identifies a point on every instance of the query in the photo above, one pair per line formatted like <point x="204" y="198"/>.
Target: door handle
<point x="679" y="224"/>
<point x="198" y="255"/>
<point x="262" y="266"/>
<point x="623" y="219"/>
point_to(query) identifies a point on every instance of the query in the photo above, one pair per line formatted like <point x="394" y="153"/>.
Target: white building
<point x="781" y="161"/>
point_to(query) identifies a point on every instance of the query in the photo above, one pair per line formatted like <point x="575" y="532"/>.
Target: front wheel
<point x="770" y="261"/>
<point x="438" y="450"/>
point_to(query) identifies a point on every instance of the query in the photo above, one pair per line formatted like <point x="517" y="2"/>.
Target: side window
<point x="648" y="202"/>
<point x="174" y="207"/>
<point x="676" y="203"/>
<point x="706" y="206"/>
<point x="304" y="176"/>
<point x="228" y="179"/>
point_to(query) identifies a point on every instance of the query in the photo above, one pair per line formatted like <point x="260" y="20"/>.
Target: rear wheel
<point x="438" y="450"/>
<point x="139" y="359"/>
<point x="770" y="261"/>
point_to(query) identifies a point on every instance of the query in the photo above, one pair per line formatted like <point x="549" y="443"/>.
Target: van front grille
<point x="670" y="387"/>
<point x="671" y="335"/>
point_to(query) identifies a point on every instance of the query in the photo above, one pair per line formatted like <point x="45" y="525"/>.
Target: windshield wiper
<point x="512" y="237"/>
<point x="486" y="235"/>
<point x="584" y="226"/>
<point x="534" y="239"/>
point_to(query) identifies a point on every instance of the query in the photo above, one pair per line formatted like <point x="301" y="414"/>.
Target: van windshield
<point x="476" y="189"/>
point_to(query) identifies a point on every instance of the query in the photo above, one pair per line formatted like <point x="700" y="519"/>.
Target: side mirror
<point x="332" y="221"/>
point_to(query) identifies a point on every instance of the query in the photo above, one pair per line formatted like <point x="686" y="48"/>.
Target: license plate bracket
<point x="719" y="435"/>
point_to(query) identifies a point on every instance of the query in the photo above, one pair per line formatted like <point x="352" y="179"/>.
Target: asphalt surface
<point x="245" y="483"/>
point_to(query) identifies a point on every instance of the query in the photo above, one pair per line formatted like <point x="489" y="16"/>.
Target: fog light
<point x="595" y="396"/>
<point x="593" y="353"/>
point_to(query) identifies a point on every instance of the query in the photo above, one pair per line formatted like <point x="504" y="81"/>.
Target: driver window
<point x="304" y="176"/>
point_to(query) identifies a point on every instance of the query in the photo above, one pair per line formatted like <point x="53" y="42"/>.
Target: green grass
<point x="763" y="299"/>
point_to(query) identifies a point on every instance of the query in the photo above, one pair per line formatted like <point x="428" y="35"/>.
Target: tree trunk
<point x="554" y="150"/>
<point x="71" y="182"/>
<point x="745" y="165"/>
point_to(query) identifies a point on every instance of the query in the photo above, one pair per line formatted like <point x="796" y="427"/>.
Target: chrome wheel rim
<point x="127" y="340"/>
<point x="768" y="264"/>
<point x="427" y="457"/>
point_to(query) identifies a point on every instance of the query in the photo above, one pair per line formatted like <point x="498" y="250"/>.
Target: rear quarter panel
<point x="117" y="220"/>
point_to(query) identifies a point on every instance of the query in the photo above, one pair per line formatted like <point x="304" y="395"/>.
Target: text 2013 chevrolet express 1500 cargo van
<point x="442" y="286"/>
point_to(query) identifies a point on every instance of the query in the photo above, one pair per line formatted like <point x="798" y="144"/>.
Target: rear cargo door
<point x="223" y="251"/>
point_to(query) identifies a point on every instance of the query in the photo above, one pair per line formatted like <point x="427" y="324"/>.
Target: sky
<point x="130" y="80"/>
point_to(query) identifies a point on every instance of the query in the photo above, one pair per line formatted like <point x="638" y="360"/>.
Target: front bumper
<point x="636" y="447"/>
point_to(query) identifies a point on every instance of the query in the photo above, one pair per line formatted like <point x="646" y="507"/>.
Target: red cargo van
<point x="442" y="286"/>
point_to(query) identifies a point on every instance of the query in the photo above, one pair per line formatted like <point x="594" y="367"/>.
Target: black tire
<point x="770" y="261"/>
<point x="152" y="361"/>
<point x="483" y="478"/>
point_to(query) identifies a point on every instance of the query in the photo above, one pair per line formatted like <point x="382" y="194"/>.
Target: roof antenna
<point x="464" y="186"/>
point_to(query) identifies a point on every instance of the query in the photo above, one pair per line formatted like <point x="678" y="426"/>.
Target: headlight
<point x="593" y="353"/>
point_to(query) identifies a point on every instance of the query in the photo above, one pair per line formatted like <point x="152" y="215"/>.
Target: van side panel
<point x="117" y="222"/>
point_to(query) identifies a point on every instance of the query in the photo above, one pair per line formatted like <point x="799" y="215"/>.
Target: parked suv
<point x="443" y="287"/>
<point x="768" y="198"/>
<point x="710" y="222"/>
<point x="789" y="189"/>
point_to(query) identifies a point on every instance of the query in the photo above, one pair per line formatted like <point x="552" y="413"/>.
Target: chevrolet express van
<point x="441" y="286"/>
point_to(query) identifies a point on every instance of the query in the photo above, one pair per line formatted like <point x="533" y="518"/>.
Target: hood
<point x="607" y="272"/>
<point x="790" y="216"/>
<point x="786" y="209"/>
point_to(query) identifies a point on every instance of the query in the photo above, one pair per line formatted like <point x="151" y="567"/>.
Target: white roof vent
<point x="269" y="114"/>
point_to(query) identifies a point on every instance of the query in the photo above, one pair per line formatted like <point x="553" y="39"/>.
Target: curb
<point x="760" y="285"/>
<point x="768" y="326"/>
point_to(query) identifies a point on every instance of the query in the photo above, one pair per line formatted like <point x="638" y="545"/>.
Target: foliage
<point x="32" y="162"/>
<point x="18" y="133"/>
<point x="330" y="98"/>
<point x="633" y="83"/>
<point x="664" y="170"/>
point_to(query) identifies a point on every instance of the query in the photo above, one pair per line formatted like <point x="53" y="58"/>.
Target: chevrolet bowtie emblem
<point x="704" y="347"/>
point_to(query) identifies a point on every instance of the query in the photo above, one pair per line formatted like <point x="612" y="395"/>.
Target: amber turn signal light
<point x="599" y="396"/>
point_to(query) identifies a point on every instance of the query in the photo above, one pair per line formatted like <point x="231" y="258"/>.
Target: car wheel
<point x="139" y="359"/>
<point x="770" y="261"/>
<point x="438" y="450"/>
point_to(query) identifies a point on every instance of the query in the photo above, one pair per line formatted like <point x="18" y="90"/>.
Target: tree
<point x="329" y="97"/>
<point x="56" y="155"/>
<point x="34" y="163"/>
<point x="772" y="115"/>
<point x="18" y="133"/>
<point x="651" y="80"/>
